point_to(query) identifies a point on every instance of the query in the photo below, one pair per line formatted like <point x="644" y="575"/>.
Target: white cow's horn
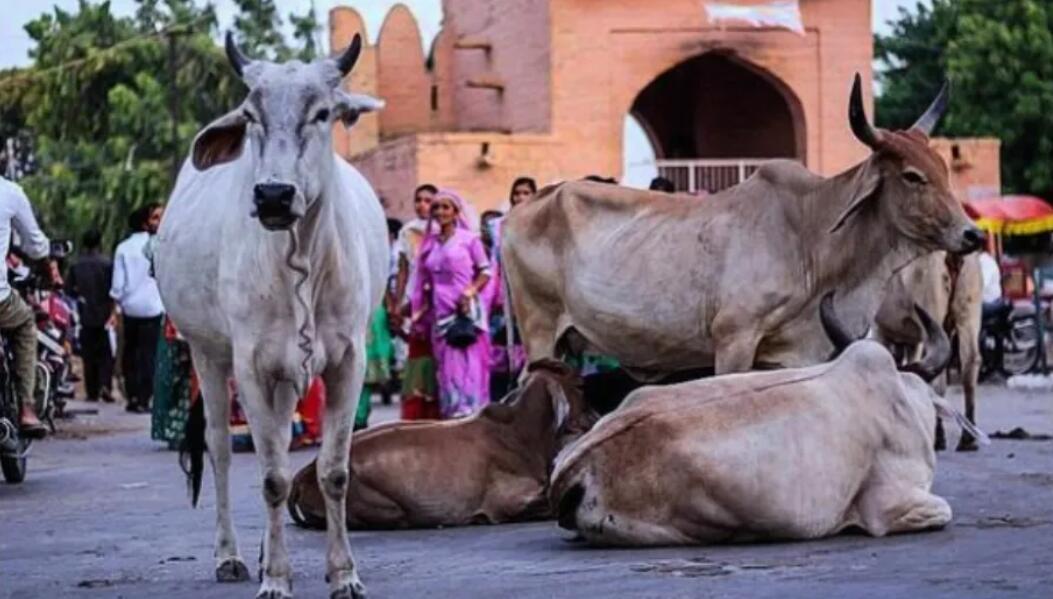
<point x="237" y="59"/>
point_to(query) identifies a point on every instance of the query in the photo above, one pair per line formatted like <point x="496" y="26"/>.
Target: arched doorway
<point x="713" y="119"/>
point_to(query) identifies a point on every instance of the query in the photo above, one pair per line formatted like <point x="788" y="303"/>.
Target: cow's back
<point x="640" y="274"/>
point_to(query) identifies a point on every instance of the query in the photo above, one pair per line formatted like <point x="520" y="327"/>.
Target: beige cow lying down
<point x="488" y="468"/>
<point x="799" y="453"/>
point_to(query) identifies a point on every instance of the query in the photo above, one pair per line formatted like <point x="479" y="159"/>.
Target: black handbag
<point x="461" y="332"/>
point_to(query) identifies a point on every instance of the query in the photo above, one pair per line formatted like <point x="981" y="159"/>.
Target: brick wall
<point x="571" y="71"/>
<point x="402" y="79"/>
<point x="344" y="23"/>
<point x="974" y="164"/>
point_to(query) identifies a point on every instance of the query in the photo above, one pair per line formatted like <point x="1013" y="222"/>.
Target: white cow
<point x="799" y="453"/>
<point x="270" y="260"/>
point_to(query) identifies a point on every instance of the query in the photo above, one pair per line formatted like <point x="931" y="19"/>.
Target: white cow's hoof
<point x="275" y="588"/>
<point x="346" y="585"/>
<point x="232" y="569"/>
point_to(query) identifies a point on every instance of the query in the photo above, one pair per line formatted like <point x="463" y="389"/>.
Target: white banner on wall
<point x="774" y="13"/>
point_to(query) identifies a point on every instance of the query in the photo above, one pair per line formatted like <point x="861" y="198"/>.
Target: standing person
<point x="419" y="399"/>
<point x="135" y="291"/>
<point x="16" y="317"/>
<point x="523" y="190"/>
<point x="89" y="283"/>
<point x="507" y="355"/>
<point x="452" y="270"/>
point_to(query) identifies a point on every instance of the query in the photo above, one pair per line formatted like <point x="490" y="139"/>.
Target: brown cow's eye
<point x="914" y="177"/>
<point x="322" y="116"/>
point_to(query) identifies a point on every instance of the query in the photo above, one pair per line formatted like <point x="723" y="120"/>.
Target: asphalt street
<point x="104" y="512"/>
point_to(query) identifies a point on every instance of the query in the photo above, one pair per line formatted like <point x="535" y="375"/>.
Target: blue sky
<point x="14" y="44"/>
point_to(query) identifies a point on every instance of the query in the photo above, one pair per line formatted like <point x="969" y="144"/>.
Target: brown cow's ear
<point x="866" y="187"/>
<point x="221" y="142"/>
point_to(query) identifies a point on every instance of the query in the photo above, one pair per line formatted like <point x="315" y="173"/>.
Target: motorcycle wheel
<point x="14" y="467"/>
<point x="1022" y="345"/>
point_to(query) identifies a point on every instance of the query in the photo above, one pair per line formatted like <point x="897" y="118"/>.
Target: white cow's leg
<point x="899" y="507"/>
<point x="343" y="383"/>
<point x="924" y="511"/>
<point x="269" y="408"/>
<point x="229" y="565"/>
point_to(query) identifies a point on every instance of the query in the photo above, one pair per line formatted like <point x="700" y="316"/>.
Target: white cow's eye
<point x="248" y="117"/>
<point x="914" y="177"/>
<point x="322" y="115"/>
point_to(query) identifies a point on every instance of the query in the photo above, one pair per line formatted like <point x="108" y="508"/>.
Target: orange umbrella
<point x="1012" y="215"/>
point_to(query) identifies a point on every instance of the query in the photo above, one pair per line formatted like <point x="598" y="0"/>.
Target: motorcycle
<point x="1010" y="343"/>
<point x="52" y="366"/>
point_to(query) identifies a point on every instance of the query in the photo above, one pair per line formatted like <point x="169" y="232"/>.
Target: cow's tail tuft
<point x="568" y="504"/>
<point x="192" y="451"/>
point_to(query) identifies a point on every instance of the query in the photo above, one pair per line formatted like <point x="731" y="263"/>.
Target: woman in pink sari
<point x="452" y="271"/>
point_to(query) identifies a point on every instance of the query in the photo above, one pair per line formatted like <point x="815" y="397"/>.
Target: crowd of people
<point x="447" y="337"/>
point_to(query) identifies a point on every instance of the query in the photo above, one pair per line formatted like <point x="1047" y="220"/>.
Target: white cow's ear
<point x="221" y="142"/>
<point x="350" y="106"/>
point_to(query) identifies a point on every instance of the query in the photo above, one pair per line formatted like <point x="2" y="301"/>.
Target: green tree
<point x="111" y="103"/>
<point x="108" y="113"/>
<point x="912" y="62"/>
<point x="259" y="28"/>
<point x="999" y="58"/>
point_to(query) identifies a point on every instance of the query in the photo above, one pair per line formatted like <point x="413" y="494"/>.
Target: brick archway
<point x="717" y="106"/>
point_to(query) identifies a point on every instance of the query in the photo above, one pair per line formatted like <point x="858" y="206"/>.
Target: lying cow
<point x="732" y="281"/>
<point x="950" y="289"/>
<point x="489" y="468"/>
<point x="791" y="454"/>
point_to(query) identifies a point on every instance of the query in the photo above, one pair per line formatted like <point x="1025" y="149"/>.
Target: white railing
<point x="707" y="175"/>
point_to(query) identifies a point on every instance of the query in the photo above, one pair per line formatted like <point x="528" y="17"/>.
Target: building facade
<point x="542" y="88"/>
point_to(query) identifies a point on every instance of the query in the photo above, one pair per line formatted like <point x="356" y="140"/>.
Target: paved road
<point x="104" y="513"/>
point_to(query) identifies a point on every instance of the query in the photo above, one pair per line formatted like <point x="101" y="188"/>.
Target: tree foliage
<point x="999" y="59"/>
<point x="111" y="104"/>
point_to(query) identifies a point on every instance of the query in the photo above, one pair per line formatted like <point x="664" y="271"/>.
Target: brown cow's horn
<point x="937" y="349"/>
<point x="857" y="117"/>
<point x="234" y="54"/>
<point x="346" y="61"/>
<point x="832" y="325"/>
<point x="927" y="121"/>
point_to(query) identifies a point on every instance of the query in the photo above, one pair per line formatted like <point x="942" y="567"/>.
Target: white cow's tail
<point x="192" y="449"/>
<point x="945" y="410"/>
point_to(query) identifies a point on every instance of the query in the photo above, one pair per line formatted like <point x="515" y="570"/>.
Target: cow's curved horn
<point x="346" y="61"/>
<point x="832" y="325"/>
<point x="857" y="117"/>
<point x="937" y="349"/>
<point x="237" y="58"/>
<point x="927" y="121"/>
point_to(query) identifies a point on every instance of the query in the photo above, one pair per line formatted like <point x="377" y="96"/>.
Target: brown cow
<point x="734" y="280"/>
<point x="488" y="468"/>
<point x="950" y="289"/>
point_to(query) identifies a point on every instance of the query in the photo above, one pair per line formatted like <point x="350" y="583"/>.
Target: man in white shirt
<point x="992" y="283"/>
<point x="135" y="291"/>
<point x="16" y="317"/>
